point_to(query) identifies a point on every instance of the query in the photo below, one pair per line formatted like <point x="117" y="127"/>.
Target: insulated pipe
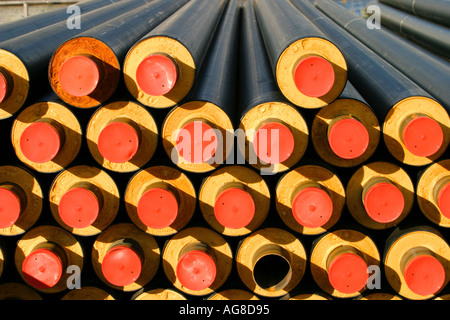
<point x="24" y="60"/>
<point x="428" y="71"/>
<point x="21" y="200"/>
<point x="234" y="200"/>
<point x="433" y="193"/>
<point x="310" y="70"/>
<point x="272" y="135"/>
<point x="346" y="132"/>
<point x="198" y="134"/>
<point x="415" y="126"/>
<point x="46" y="136"/>
<point x="84" y="200"/>
<point x="310" y="199"/>
<point x="340" y="261"/>
<point x="39" y="21"/>
<point x="271" y="262"/>
<point x="416" y="262"/>
<point x="435" y="10"/>
<point x="18" y="291"/>
<point x="125" y="257"/>
<point x="43" y="255"/>
<point x="160" y="200"/>
<point x="197" y="261"/>
<point x="86" y="70"/>
<point x="429" y="34"/>
<point x="161" y="68"/>
<point x="122" y="136"/>
<point x="87" y="293"/>
<point x="380" y="195"/>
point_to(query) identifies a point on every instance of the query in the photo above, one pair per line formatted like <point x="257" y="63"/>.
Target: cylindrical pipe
<point x="346" y="132"/>
<point x="46" y="136"/>
<point x="310" y="70"/>
<point x="122" y="136"/>
<point x="416" y="262"/>
<point x="125" y="257"/>
<point x="340" y="261"/>
<point x="271" y="262"/>
<point x="433" y="194"/>
<point x="198" y="134"/>
<point x="25" y="59"/>
<point x="197" y="261"/>
<point x="86" y="70"/>
<point x="431" y="35"/>
<point x="428" y="71"/>
<point x="380" y="195"/>
<point x="161" y="68"/>
<point x="87" y="293"/>
<point x="309" y="199"/>
<point x="21" y="200"/>
<point x="23" y="26"/>
<point x="42" y="256"/>
<point x="160" y="200"/>
<point x="272" y="134"/>
<point x="233" y="294"/>
<point x="415" y="126"/>
<point x="160" y="294"/>
<point x="18" y="291"/>
<point x="234" y="200"/>
<point x="84" y="200"/>
<point x="435" y="10"/>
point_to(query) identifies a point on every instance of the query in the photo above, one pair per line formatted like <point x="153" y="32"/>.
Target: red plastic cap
<point x="423" y="136"/>
<point x="312" y="207"/>
<point x="348" y="273"/>
<point x="234" y="208"/>
<point x="197" y="142"/>
<point x="274" y="143"/>
<point x="314" y="76"/>
<point x="424" y="275"/>
<point x="121" y="266"/>
<point x="79" y="76"/>
<point x="384" y="202"/>
<point x="78" y="208"/>
<point x="10" y="208"/>
<point x="42" y="269"/>
<point x="348" y="138"/>
<point x="157" y="208"/>
<point x="40" y="142"/>
<point x="156" y="75"/>
<point x="3" y="87"/>
<point x="443" y="200"/>
<point x="118" y="142"/>
<point x="196" y="270"/>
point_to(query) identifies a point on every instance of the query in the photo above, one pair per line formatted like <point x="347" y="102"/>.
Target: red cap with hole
<point x="312" y="207"/>
<point x="121" y="266"/>
<point x="197" y="142"/>
<point x="118" y="142"/>
<point x="10" y="208"/>
<point x="78" y="208"/>
<point x="274" y="143"/>
<point x="348" y="273"/>
<point x="42" y="269"/>
<point x="314" y="76"/>
<point x="443" y="200"/>
<point x="157" y="208"/>
<point x="3" y="87"/>
<point x="424" y="275"/>
<point x="40" y="142"/>
<point x="234" y="208"/>
<point x="156" y="75"/>
<point x="79" y="76"/>
<point x="384" y="202"/>
<point x="423" y="136"/>
<point x="348" y="138"/>
<point x="196" y="270"/>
